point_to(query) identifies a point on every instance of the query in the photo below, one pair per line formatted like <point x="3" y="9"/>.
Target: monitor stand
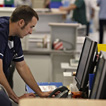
<point x="80" y="94"/>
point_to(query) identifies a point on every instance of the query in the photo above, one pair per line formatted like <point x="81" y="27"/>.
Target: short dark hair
<point x="24" y="12"/>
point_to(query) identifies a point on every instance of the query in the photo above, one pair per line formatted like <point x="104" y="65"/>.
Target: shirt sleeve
<point x="18" y="55"/>
<point x="79" y="3"/>
<point x="2" y="44"/>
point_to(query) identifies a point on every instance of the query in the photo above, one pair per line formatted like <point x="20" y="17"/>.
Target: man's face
<point x="27" y="29"/>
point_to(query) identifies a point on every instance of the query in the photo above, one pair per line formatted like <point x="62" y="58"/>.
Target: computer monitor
<point x="98" y="90"/>
<point x="86" y="63"/>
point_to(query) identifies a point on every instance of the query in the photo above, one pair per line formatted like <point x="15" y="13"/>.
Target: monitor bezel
<point x="96" y="81"/>
<point x="83" y="83"/>
<point x="102" y="87"/>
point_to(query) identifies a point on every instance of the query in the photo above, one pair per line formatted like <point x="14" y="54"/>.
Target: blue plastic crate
<point x="8" y="5"/>
<point x="55" y="4"/>
<point x="28" y="89"/>
<point x="57" y="84"/>
<point x="43" y="83"/>
<point x="56" y="0"/>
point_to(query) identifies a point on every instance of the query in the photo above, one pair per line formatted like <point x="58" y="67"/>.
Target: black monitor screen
<point x="97" y="78"/>
<point x="87" y="58"/>
<point x="99" y="86"/>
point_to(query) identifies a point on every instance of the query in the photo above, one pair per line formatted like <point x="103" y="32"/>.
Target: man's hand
<point x="62" y="9"/>
<point x="65" y="9"/>
<point x="45" y="94"/>
<point x="27" y="95"/>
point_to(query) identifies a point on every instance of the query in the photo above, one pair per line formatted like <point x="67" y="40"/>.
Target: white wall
<point x="40" y="66"/>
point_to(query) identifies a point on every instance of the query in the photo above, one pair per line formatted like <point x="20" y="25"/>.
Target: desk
<point x="61" y="102"/>
<point x="45" y="16"/>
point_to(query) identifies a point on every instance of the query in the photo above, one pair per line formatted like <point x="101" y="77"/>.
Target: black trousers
<point x="102" y="23"/>
<point x="87" y="28"/>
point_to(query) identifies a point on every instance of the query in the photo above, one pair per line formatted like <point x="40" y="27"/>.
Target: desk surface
<point x="65" y="24"/>
<point x="49" y="52"/>
<point x="41" y="11"/>
<point x="61" y="102"/>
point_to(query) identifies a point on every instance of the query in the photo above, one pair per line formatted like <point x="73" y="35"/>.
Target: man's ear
<point x="21" y="23"/>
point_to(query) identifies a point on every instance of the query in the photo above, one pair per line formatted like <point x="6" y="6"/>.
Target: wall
<point x="37" y="3"/>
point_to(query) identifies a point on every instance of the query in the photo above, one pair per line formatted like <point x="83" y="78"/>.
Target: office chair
<point x="4" y="99"/>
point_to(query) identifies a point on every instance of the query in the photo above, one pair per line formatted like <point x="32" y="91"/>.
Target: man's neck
<point x="12" y="28"/>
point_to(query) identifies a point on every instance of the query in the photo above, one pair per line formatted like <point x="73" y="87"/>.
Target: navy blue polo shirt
<point x="10" y="47"/>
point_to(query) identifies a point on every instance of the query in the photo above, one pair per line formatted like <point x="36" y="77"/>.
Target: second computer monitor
<point x="86" y="63"/>
<point x="98" y="90"/>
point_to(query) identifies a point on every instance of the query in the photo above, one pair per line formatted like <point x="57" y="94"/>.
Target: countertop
<point x="49" y="52"/>
<point x="41" y="11"/>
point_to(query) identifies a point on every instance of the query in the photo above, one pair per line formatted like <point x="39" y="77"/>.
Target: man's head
<point x="24" y="16"/>
<point x="23" y="12"/>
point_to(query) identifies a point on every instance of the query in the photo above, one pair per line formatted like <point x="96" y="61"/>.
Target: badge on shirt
<point x="10" y="44"/>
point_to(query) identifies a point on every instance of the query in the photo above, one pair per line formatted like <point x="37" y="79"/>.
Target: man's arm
<point x="27" y="76"/>
<point x="6" y="85"/>
<point x="71" y="7"/>
<point x="92" y="5"/>
<point x="4" y="82"/>
<point x="93" y="13"/>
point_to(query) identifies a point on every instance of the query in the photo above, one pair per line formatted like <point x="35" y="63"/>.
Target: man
<point x="46" y="3"/>
<point x="102" y="18"/>
<point x="79" y="13"/>
<point x="90" y="10"/>
<point x="19" y="25"/>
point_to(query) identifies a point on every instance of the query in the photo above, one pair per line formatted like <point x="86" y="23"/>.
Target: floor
<point x="95" y="36"/>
